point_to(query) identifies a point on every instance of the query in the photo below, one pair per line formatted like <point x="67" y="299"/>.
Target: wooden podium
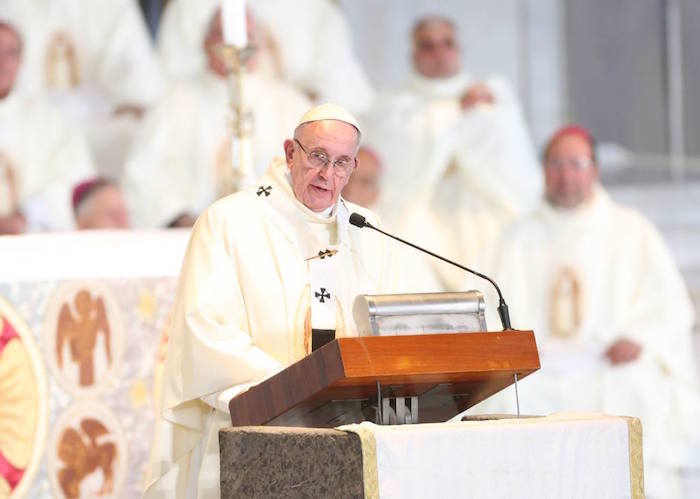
<point x="337" y="384"/>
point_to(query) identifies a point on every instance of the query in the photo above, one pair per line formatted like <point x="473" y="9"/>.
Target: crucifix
<point x="264" y="190"/>
<point x="323" y="295"/>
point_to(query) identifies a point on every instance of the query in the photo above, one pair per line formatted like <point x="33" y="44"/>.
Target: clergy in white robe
<point x="96" y="63"/>
<point x="253" y="287"/>
<point x="611" y="314"/>
<point x="72" y="44"/>
<point x="459" y="159"/>
<point x="363" y="189"/>
<point x="309" y="45"/>
<point x="186" y="138"/>
<point x="41" y="155"/>
<point x="363" y="186"/>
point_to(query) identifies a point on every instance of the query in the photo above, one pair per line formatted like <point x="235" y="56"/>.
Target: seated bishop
<point x="270" y="274"/>
<point x="98" y="203"/>
<point x="611" y="314"/>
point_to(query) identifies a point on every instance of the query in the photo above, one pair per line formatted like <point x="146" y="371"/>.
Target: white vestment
<point x="581" y="280"/>
<point x="453" y="178"/>
<point x="69" y="44"/>
<point x="42" y="157"/>
<point x="88" y="58"/>
<point x="243" y="312"/>
<point x="312" y="41"/>
<point x="184" y="143"/>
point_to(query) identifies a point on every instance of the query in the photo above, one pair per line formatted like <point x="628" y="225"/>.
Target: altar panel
<point x="83" y="331"/>
<point x="564" y="455"/>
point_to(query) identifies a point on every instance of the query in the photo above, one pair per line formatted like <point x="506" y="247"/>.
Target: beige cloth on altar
<point x="581" y="280"/>
<point x="453" y="178"/>
<point x="186" y="139"/>
<point x="41" y="158"/>
<point x="310" y="43"/>
<point x="243" y="313"/>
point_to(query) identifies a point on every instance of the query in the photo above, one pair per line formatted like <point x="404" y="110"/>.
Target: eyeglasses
<point x="579" y="163"/>
<point x="318" y="159"/>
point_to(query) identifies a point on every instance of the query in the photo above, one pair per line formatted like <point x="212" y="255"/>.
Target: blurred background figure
<point x="418" y="126"/>
<point x="363" y="186"/>
<point x="186" y="138"/>
<point x="460" y="163"/>
<point x="308" y="42"/>
<point x="99" y="204"/>
<point x="611" y="313"/>
<point x="41" y="155"/>
<point x="95" y="62"/>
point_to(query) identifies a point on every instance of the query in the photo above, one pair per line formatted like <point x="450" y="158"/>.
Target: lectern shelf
<point x="448" y="372"/>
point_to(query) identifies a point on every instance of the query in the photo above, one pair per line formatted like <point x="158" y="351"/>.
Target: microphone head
<point x="358" y="220"/>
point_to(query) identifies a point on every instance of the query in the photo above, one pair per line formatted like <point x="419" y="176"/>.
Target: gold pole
<point x="242" y="172"/>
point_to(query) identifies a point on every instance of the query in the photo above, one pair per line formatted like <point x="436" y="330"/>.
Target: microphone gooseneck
<point x="359" y="221"/>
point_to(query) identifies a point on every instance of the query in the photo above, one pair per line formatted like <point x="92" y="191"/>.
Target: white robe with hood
<point x="453" y="178"/>
<point x="582" y="279"/>
<point x="186" y="139"/>
<point x="243" y="313"/>
<point x="42" y="157"/>
<point x="312" y="46"/>
<point x="107" y="61"/>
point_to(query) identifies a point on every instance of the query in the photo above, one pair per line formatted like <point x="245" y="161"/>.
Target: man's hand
<point x="12" y="224"/>
<point x="623" y="351"/>
<point x="475" y="94"/>
<point x="182" y="220"/>
<point x="135" y="110"/>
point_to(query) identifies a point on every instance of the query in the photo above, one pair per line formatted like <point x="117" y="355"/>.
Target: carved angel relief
<point x="78" y="334"/>
<point x="84" y="452"/>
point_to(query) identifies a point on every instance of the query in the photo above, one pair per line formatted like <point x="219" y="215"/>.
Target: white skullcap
<point x="329" y="111"/>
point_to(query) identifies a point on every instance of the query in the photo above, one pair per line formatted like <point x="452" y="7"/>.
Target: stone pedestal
<point x="271" y="462"/>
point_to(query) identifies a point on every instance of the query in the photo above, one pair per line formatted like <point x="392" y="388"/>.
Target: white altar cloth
<point x="565" y="455"/>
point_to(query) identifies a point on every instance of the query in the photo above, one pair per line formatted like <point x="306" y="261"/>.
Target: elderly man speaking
<point x="268" y="273"/>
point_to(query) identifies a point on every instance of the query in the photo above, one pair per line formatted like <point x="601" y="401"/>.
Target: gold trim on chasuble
<point x="9" y="191"/>
<point x="565" y="303"/>
<point x="301" y="343"/>
<point x="61" y="66"/>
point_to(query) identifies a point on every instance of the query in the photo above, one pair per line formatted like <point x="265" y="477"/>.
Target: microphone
<point x="359" y="221"/>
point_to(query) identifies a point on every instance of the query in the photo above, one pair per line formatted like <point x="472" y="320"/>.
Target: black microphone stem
<point x="502" y="307"/>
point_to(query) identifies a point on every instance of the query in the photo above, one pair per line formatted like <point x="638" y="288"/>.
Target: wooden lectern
<point x="442" y="374"/>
